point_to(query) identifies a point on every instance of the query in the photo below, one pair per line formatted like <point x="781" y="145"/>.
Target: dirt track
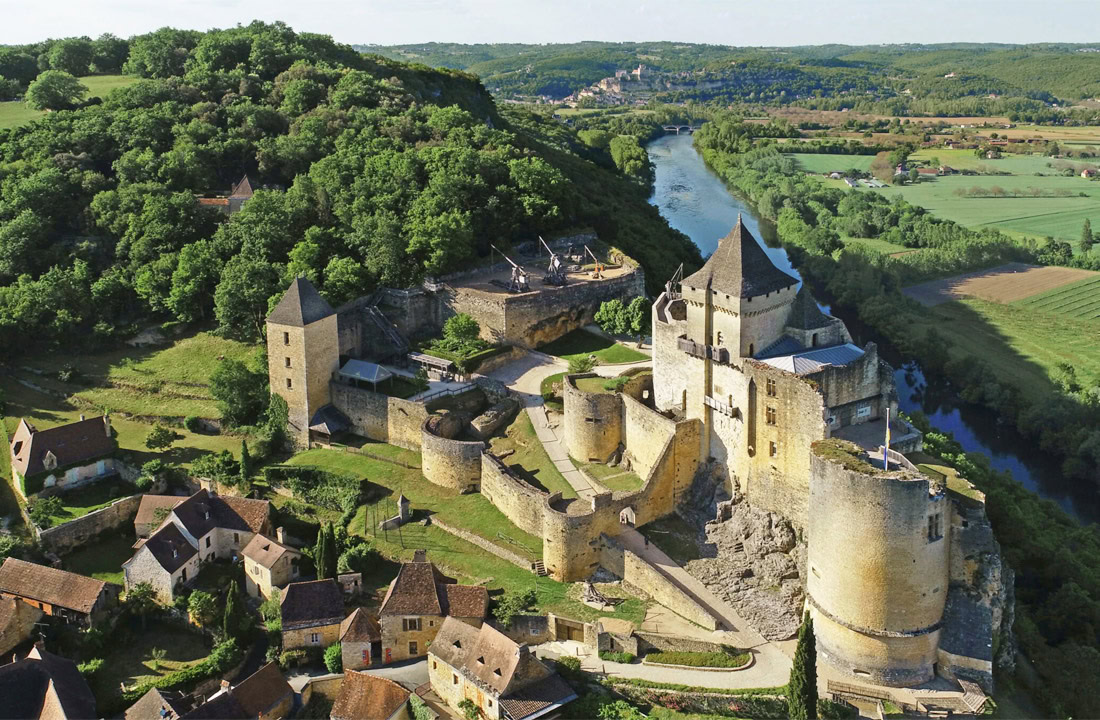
<point x="1003" y="284"/>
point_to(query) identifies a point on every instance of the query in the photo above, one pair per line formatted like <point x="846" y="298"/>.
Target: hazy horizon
<point x="722" y="22"/>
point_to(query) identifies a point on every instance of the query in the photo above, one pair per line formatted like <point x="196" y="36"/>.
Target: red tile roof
<point x="367" y="697"/>
<point x="50" y="585"/>
<point x="318" y="602"/>
<point x="420" y="589"/>
<point x="360" y="627"/>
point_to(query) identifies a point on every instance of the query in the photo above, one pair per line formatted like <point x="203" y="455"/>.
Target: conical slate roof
<point x="301" y="305"/>
<point x="805" y="315"/>
<point x="740" y="267"/>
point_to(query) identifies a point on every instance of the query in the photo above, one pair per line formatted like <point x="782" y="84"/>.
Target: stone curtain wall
<point x="502" y="553"/>
<point x="521" y="503"/>
<point x="860" y="381"/>
<point x="64" y="538"/>
<point x="454" y="464"/>
<point x="649" y="580"/>
<point x="380" y="417"/>
<point x="593" y="422"/>
<point x="645" y="435"/>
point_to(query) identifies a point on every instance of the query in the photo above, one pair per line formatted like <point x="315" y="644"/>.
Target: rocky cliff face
<point x="752" y="559"/>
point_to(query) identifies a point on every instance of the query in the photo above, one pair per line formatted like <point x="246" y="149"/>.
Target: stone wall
<point x="302" y="637"/>
<point x="654" y="642"/>
<point x="380" y="417"/>
<point x="454" y="464"/>
<point x="859" y="382"/>
<point x="527" y="629"/>
<point x="876" y="582"/>
<point x="647" y="579"/>
<point x="64" y="538"/>
<point x="521" y="503"/>
<point x="645" y="434"/>
<point x="593" y="421"/>
<point x="491" y="547"/>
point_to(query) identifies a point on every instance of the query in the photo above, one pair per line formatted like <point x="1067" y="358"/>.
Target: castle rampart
<point x="877" y="579"/>
<point x="594" y="421"/>
<point x="521" y="503"/>
<point x="380" y="417"/>
<point x="454" y="464"/>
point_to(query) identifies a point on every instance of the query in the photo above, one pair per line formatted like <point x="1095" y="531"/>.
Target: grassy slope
<point x="581" y="343"/>
<point x="613" y="478"/>
<point x="530" y="460"/>
<point x="15" y="113"/>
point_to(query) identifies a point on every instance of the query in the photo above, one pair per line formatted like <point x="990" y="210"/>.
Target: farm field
<point x="15" y="113"/>
<point x="968" y="160"/>
<point x="1079" y="300"/>
<point x="825" y="162"/>
<point x="1004" y="284"/>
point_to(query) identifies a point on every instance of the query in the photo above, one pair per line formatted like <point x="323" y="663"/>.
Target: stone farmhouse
<point x="417" y="602"/>
<point x="360" y="639"/>
<point x="44" y="685"/>
<point x="62" y="457"/>
<point x="57" y="593"/>
<point x="370" y="697"/>
<point x="269" y="566"/>
<point x="311" y="613"/>
<point x="197" y="530"/>
<point x="159" y="704"/>
<point x="502" y="678"/>
<point x="231" y="202"/>
<point x="17" y="619"/>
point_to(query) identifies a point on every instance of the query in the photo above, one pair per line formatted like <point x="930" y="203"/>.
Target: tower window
<point x="719" y="337"/>
<point x="289" y="384"/>
<point x="770" y="386"/>
<point x="773" y="449"/>
<point x="288" y="361"/>
<point x="286" y="338"/>
<point x="769" y="415"/>
<point x="752" y="351"/>
<point x="935" y="527"/>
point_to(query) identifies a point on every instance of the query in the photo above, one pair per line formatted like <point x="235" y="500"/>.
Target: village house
<point x="369" y="697"/>
<point x="360" y="635"/>
<point x="928" y="172"/>
<point x="263" y="695"/>
<point x="62" y="457"/>
<point x="197" y="530"/>
<point x="57" y="593"/>
<point x="1088" y="173"/>
<point x="159" y="704"/>
<point x="502" y="678"/>
<point x="47" y="686"/>
<point x="312" y="613"/>
<point x="268" y="566"/>
<point x="17" y="621"/>
<point x="417" y="601"/>
<point x="152" y="512"/>
<point x="229" y="203"/>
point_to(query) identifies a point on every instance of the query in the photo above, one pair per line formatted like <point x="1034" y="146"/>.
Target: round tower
<point x="877" y="557"/>
<point x="593" y="421"/>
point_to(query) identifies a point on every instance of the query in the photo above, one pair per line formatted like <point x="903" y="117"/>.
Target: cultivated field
<point x="1080" y="300"/>
<point x="827" y="162"/>
<point x="1003" y="284"/>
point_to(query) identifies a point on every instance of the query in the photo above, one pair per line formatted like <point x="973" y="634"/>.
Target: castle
<point x="752" y="385"/>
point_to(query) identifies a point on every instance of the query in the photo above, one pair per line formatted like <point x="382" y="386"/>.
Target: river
<point x="696" y="202"/>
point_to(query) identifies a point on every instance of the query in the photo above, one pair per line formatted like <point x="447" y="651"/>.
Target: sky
<point x="724" y="22"/>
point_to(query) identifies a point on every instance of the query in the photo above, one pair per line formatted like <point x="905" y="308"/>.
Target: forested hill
<point x="1045" y="71"/>
<point x="372" y="172"/>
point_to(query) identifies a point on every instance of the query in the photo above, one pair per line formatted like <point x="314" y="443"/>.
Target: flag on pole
<point x="886" y="447"/>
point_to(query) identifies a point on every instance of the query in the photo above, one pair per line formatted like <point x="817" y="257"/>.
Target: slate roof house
<point x="369" y="697"/>
<point x="57" y="593"/>
<point x="359" y="634"/>
<point x="64" y="457"/>
<point x="268" y="566"/>
<point x="417" y="601"/>
<point x="46" y="686"/>
<point x="197" y="530"/>
<point x="502" y="678"/>
<point x="311" y="613"/>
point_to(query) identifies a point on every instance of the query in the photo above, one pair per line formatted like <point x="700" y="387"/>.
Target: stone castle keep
<point x="754" y="388"/>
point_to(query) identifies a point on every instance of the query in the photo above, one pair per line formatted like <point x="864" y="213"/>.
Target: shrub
<point x="619" y="657"/>
<point x="569" y="668"/>
<point x="334" y="659"/>
<point x="90" y="668"/>
<point x="616" y="384"/>
<point x="160" y="437"/>
<point x="143" y="483"/>
<point x="361" y="558"/>
<point x="514" y="604"/>
<point x="192" y="423"/>
<point x="461" y="328"/>
<point x="468" y="708"/>
<point x="42" y="510"/>
<point x="583" y="364"/>
<point x="420" y="709"/>
<point x="291" y="658"/>
<point x="318" y="487"/>
<point x="701" y="659"/>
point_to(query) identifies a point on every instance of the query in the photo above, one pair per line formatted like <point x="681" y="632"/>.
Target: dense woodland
<point x="1019" y="81"/>
<point x="1056" y="559"/>
<point x="371" y="172"/>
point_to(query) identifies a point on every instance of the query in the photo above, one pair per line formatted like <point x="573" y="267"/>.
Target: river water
<point x="696" y="202"/>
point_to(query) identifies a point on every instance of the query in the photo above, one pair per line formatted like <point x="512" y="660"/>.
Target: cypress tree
<point x="330" y="552"/>
<point x="234" y="613"/>
<point x="246" y="464"/>
<point x="1086" y="237"/>
<point x="319" y="550"/>
<point x="802" y="687"/>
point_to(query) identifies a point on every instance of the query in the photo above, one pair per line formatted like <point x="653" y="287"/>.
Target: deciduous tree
<point x="54" y="90"/>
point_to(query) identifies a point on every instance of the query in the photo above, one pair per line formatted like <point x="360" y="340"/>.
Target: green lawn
<point x="581" y="343"/>
<point x="593" y="385"/>
<point x="15" y="113"/>
<point x="131" y="662"/>
<point x="674" y="536"/>
<point x="81" y="501"/>
<point x="102" y="559"/>
<point x="612" y="478"/>
<point x="820" y="163"/>
<point x="1079" y="300"/>
<point x="530" y="460"/>
<point x="969" y="160"/>
<point x="547" y="386"/>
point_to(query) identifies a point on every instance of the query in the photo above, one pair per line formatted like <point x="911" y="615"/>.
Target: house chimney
<point x="225" y="685"/>
<point x="280" y="535"/>
<point x="522" y="651"/>
<point x="420" y="556"/>
<point x="81" y="417"/>
<point x="106" y="424"/>
<point x="175" y="551"/>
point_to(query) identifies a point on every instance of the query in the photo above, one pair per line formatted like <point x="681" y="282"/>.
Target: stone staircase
<point x="389" y="330"/>
<point x="539" y="568"/>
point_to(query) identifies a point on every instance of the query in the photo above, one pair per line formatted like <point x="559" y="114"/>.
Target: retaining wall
<point x="380" y="417"/>
<point x="521" y="503"/>
<point x="64" y="538"/>
<point x="527" y="629"/>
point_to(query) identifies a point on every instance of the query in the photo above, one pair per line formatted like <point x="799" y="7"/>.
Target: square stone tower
<point x="303" y="351"/>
